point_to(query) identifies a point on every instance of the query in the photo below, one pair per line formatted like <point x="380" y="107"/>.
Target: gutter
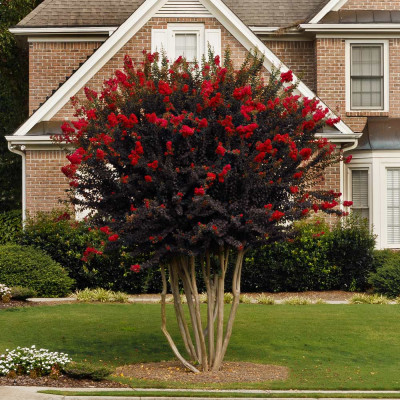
<point x="21" y="152"/>
<point x="388" y="27"/>
<point x="107" y="30"/>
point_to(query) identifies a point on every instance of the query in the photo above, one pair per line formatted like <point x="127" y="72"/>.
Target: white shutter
<point x="393" y="206"/>
<point x="159" y="40"/>
<point x="213" y="38"/>
<point x="359" y="191"/>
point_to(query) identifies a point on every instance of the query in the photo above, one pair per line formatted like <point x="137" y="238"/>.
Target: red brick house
<point x="346" y="52"/>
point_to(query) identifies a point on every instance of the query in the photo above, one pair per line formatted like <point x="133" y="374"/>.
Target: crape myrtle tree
<point x="195" y="165"/>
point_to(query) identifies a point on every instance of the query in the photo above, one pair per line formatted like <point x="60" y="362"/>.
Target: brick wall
<point x="142" y="40"/>
<point x="298" y="56"/>
<point x="331" y="85"/>
<point x="371" y="5"/>
<point x="50" y="64"/>
<point x="45" y="184"/>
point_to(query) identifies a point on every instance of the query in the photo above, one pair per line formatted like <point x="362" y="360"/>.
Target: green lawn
<point x="325" y="346"/>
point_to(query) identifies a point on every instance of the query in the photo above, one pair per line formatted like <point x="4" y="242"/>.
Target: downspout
<point x="341" y="167"/>
<point x="21" y="152"/>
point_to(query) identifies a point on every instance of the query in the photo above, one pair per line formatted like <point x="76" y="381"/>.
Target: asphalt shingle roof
<point x="68" y="13"/>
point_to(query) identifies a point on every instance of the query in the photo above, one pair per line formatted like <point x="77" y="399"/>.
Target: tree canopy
<point x="195" y="163"/>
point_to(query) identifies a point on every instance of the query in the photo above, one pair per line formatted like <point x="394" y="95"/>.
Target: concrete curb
<point x="30" y="393"/>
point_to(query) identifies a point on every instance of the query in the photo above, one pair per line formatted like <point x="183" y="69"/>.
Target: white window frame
<point x="182" y="28"/>
<point x="384" y="170"/>
<point x="349" y="192"/>
<point x="385" y="45"/>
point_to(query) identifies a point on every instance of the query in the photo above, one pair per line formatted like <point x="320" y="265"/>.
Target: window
<point x="186" y="46"/>
<point x="359" y="190"/>
<point x="184" y="39"/>
<point x="367" y="76"/>
<point x="393" y="206"/>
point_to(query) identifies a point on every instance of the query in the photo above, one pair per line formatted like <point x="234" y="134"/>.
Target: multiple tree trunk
<point x="205" y="345"/>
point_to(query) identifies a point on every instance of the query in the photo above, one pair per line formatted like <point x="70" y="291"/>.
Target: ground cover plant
<point x="194" y="166"/>
<point x="30" y="360"/>
<point x="325" y="346"/>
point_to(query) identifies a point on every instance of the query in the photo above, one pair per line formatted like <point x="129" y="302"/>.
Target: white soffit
<point x="128" y="29"/>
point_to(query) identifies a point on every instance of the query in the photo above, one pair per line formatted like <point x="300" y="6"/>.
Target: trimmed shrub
<point x="10" y="226"/>
<point x="22" y="293"/>
<point x="317" y="258"/>
<point x="298" y="264"/>
<point x="386" y="279"/>
<point x="65" y="241"/>
<point x="32" y="268"/>
<point x="350" y="249"/>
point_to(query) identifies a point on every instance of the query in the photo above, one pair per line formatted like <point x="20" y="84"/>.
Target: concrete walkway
<point x="150" y="299"/>
<point x="30" y="393"/>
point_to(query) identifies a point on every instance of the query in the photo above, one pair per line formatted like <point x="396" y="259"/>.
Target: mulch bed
<point x="62" y="381"/>
<point x="173" y="371"/>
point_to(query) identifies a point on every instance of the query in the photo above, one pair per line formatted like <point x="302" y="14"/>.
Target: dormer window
<point x="367" y="76"/>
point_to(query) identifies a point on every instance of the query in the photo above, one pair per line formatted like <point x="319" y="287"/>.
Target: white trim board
<point x="332" y="5"/>
<point x="386" y="72"/>
<point x="128" y="29"/>
<point x="64" y="30"/>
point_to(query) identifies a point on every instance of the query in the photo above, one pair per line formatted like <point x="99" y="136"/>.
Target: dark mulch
<point x="231" y="372"/>
<point x="62" y="381"/>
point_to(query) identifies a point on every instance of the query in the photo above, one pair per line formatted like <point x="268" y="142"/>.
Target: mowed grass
<point x="324" y="346"/>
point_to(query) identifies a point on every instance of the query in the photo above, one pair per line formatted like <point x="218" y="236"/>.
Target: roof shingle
<point x="68" y="13"/>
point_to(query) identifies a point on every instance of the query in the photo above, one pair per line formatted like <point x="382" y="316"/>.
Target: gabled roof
<point x="128" y="29"/>
<point x="71" y="13"/>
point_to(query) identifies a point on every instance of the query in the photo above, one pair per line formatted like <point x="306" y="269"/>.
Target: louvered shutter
<point x="360" y="192"/>
<point x="159" y="40"/>
<point x="213" y="38"/>
<point x="393" y="206"/>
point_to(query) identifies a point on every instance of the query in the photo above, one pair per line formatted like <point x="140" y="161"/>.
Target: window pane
<point x="186" y="46"/>
<point x="366" y="92"/>
<point x="360" y="193"/>
<point x="393" y="206"/>
<point x="366" y="60"/>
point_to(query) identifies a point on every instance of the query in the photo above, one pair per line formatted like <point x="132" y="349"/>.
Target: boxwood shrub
<point x="386" y="279"/>
<point x="32" y="268"/>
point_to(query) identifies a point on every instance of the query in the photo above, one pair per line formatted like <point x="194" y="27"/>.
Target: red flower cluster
<point x="287" y="76"/>
<point x="199" y="191"/>
<point x="135" y="268"/>
<point x="225" y="170"/>
<point x="89" y="252"/>
<point x="277" y="215"/>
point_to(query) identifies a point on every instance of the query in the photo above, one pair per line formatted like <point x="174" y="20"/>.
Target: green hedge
<point x="65" y="241"/>
<point x="32" y="268"/>
<point x="318" y="258"/>
<point x="386" y="279"/>
<point x="10" y="226"/>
